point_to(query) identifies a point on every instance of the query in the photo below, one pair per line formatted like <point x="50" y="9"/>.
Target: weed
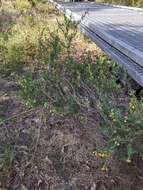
<point x="6" y="159"/>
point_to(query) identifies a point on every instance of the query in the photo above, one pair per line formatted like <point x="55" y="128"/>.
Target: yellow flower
<point x="103" y="154"/>
<point x="117" y="143"/>
<point x="128" y="160"/>
<point x="125" y="118"/>
<point x="133" y="107"/>
<point x="95" y="153"/>
<point x="104" y="169"/>
<point x="99" y="154"/>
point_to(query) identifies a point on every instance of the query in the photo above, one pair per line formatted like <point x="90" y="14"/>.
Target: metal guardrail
<point x="128" y="57"/>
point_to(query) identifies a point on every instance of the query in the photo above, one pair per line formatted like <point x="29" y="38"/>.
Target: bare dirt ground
<point x="54" y="151"/>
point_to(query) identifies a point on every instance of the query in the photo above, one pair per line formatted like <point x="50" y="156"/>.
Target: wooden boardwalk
<point x="118" y="31"/>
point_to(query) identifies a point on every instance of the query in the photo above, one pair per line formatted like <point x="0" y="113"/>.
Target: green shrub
<point x="122" y="126"/>
<point x="26" y="43"/>
<point x="68" y="87"/>
<point x="54" y="82"/>
<point x="14" y="56"/>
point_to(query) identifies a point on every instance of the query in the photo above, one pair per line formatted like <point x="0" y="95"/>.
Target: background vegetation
<point x="65" y="120"/>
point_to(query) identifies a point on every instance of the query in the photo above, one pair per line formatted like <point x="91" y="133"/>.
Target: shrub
<point x="26" y="41"/>
<point x="54" y="83"/>
<point x="122" y="126"/>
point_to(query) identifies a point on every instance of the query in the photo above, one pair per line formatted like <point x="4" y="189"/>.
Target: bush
<point x="122" y="126"/>
<point x="26" y="43"/>
<point x="61" y="76"/>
